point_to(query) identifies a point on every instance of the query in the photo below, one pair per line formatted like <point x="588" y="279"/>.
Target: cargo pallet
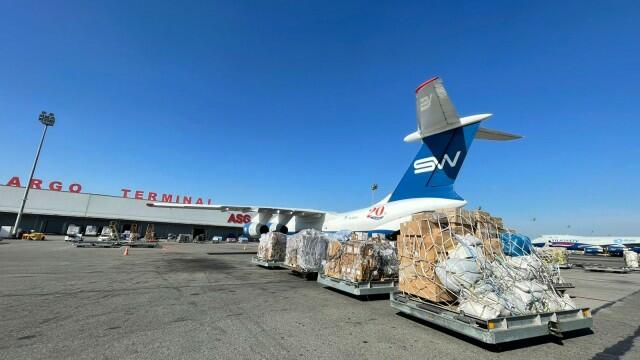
<point x="608" y="269"/>
<point x="96" y="244"/>
<point x="563" y="287"/>
<point x="269" y="264"/>
<point x="114" y="244"/>
<point x="307" y="274"/>
<point x="359" y="288"/>
<point x="499" y="330"/>
<point x="140" y="244"/>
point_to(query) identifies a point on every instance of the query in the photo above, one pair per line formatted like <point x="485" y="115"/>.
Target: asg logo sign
<point x="239" y="219"/>
<point x="376" y="213"/>
<point x="430" y="163"/>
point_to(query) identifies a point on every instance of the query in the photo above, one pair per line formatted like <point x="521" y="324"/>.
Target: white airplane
<point x="574" y="242"/>
<point x="426" y="185"/>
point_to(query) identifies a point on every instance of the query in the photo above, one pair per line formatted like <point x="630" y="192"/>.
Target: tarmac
<point x="207" y="301"/>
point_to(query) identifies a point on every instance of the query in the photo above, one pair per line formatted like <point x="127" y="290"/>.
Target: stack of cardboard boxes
<point x="360" y="260"/>
<point x="428" y="239"/>
<point x="272" y="246"/>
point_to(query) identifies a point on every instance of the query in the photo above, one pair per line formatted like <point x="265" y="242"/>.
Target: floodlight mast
<point x="47" y="120"/>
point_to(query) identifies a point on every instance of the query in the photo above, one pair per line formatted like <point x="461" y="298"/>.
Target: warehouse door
<point x="197" y="232"/>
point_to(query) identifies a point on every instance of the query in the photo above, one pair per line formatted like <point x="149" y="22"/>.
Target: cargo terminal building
<point x="52" y="211"/>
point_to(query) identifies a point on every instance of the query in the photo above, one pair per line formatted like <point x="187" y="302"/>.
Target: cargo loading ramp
<point x="498" y="330"/>
<point x="361" y="288"/>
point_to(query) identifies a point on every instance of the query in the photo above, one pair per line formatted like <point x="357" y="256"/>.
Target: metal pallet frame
<point x="563" y="287"/>
<point x="359" y="288"/>
<point x="621" y="270"/>
<point x="270" y="264"/>
<point x="96" y="244"/>
<point x="499" y="330"/>
<point x="307" y="274"/>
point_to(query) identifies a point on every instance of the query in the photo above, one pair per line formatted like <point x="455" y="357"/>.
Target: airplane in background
<point x="574" y="242"/>
<point x="426" y="185"/>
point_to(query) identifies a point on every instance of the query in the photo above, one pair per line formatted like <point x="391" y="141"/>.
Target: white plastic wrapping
<point x="306" y="250"/>
<point x="630" y="259"/>
<point x="272" y="246"/>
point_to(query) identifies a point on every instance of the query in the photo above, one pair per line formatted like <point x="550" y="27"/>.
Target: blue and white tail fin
<point x="446" y="139"/>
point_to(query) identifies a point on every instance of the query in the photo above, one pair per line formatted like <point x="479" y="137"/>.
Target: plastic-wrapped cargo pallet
<point x="272" y="246"/>
<point x="630" y="259"/>
<point x="306" y="250"/>
<point x="553" y="255"/>
<point x="361" y="260"/>
<point x="454" y="258"/>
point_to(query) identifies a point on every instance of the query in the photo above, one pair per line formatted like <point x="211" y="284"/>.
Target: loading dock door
<point x="198" y="231"/>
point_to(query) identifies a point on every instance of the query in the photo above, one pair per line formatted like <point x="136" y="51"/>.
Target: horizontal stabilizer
<point x="490" y="134"/>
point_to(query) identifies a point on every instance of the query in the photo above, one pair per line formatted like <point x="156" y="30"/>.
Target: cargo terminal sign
<point x="56" y="185"/>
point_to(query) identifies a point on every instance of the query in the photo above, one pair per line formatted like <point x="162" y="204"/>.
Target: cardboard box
<point x="492" y="248"/>
<point x="418" y="255"/>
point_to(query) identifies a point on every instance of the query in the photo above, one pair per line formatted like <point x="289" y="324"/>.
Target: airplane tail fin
<point x="446" y="139"/>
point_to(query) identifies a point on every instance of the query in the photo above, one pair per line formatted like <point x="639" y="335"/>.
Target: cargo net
<point x="272" y="246"/>
<point x="306" y="250"/>
<point x="373" y="259"/>
<point x="554" y="257"/>
<point x="468" y="261"/>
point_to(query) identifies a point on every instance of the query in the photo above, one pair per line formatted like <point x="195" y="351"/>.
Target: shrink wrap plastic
<point x="272" y="246"/>
<point x="306" y="250"/>
<point x="358" y="261"/>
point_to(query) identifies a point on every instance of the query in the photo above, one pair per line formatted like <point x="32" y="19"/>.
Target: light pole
<point x="47" y="120"/>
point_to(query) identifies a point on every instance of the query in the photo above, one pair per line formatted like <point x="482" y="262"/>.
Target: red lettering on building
<point x="199" y="201"/>
<point x="186" y="199"/>
<point x="152" y="196"/>
<point x="55" y="186"/>
<point x="14" y="181"/>
<point x="36" y="184"/>
<point x="167" y="198"/>
<point x="125" y="192"/>
<point x="139" y="194"/>
<point x="239" y="219"/>
<point x="75" y="188"/>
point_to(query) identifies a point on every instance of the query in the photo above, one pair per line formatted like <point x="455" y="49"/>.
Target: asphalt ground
<point x="204" y="301"/>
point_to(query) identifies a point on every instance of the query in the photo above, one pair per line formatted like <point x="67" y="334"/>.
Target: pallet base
<point x="95" y="244"/>
<point x="499" y="330"/>
<point x="307" y="274"/>
<point x="606" y="269"/>
<point x="359" y="288"/>
<point x="270" y="264"/>
<point x="114" y="244"/>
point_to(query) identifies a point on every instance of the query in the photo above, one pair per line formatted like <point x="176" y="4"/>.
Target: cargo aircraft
<point x="574" y="242"/>
<point x="426" y="185"/>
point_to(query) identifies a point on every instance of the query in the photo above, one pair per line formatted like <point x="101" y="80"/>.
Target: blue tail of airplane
<point x="446" y="139"/>
<point x="436" y="166"/>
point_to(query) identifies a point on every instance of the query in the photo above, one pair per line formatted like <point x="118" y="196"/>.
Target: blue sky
<point x="305" y="104"/>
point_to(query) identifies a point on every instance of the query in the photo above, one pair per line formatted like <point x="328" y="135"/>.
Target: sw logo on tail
<point x="431" y="163"/>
